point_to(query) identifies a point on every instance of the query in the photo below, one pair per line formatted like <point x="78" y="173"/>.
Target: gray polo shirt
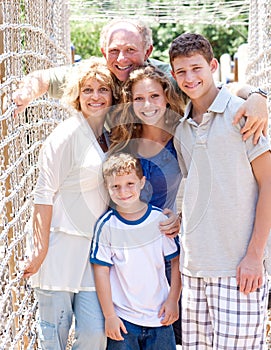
<point x="220" y="193"/>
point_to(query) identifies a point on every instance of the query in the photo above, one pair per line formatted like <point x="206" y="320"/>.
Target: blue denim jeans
<point x="56" y="310"/>
<point x="144" y="338"/>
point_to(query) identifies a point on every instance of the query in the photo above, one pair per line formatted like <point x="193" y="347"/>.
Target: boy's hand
<point x="170" y="311"/>
<point x="113" y="327"/>
<point x="249" y="275"/>
<point x="255" y="110"/>
<point x="171" y="226"/>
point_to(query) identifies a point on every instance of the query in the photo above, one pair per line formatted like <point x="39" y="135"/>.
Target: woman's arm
<point x="42" y="217"/>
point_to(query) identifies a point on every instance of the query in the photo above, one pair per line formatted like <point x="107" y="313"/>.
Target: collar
<point x="218" y="106"/>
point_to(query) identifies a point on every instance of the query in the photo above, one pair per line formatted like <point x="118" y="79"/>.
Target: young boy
<point x="128" y="253"/>
<point x="226" y="217"/>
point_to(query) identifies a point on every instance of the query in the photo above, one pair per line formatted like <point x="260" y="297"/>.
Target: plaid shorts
<point x="215" y="315"/>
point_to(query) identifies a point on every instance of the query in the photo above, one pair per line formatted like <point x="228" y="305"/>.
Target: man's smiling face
<point x="125" y="50"/>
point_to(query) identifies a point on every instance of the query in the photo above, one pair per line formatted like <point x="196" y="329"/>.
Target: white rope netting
<point x="166" y="11"/>
<point x="259" y="44"/>
<point x="35" y="35"/>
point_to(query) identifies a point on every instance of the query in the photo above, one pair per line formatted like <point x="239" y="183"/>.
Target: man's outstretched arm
<point x="31" y="87"/>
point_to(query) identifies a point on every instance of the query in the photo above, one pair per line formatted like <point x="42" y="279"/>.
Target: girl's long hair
<point x="126" y="125"/>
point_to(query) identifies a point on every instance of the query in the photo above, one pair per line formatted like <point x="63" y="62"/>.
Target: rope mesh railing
<point x="35" y="35"/>
<point x="224" y="13"/>
<point x="259" y="40"/>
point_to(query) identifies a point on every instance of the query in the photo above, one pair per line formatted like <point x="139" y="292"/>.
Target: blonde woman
<point x="69" y="197"/>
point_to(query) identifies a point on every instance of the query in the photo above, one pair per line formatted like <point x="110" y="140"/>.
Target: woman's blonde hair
<point x="126" y="125"/>
<point x="94" y="67"/>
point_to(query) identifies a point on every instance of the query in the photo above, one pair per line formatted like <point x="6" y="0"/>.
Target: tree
<point x="222" y="39"/>
<point x="85" y="38"/>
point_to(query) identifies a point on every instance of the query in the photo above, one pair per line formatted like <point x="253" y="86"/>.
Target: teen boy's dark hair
<point x="188" y="44"/>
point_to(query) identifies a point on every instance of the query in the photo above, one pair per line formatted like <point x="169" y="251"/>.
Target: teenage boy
<point x="226" y="217"/>
<point x="128" y="253"/>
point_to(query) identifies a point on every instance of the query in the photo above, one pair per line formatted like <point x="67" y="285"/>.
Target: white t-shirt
<point x="135" y="251"/>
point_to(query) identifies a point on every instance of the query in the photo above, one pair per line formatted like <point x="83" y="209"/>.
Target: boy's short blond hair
<point x="121" y="164"/>
<point x="189" y="44"/>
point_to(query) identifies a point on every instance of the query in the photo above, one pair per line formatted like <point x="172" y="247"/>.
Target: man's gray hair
<point x="143" y="29"/>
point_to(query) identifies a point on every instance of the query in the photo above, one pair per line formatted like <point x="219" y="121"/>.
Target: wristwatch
<point x="258" y="91"/>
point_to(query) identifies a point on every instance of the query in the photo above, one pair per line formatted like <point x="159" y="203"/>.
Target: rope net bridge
<point x="169" y="11"/>
<point x="35" y="35"/>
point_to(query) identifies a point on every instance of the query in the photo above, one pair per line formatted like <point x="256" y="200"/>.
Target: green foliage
<point x="222" y="39"/>
<point x="163" y="34"/>
<point x="85" y="38"/>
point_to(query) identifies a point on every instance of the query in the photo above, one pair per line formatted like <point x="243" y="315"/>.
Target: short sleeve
<point x="100" y="252"/>
<point x="56" y="77"/>
<point x="171" y="247"/>
<point x="254" y="151"/>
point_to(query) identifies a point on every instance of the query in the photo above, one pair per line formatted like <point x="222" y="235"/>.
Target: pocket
<point x="47" y="332"/>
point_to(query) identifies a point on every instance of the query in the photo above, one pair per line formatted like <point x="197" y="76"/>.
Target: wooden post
<point x="225" y="68"/>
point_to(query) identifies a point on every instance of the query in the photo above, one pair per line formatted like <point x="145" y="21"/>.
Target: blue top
<point x="163" y="177"/>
